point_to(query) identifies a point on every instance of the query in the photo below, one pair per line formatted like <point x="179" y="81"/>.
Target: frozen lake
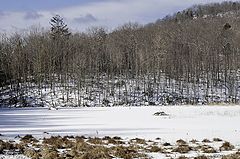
<point x="185" y="122"/>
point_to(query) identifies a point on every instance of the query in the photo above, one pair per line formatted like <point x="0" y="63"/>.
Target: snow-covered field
<point x="184" y="122"/>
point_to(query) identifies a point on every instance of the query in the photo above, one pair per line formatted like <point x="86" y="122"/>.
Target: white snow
<point x="13" y="157"/>
<point x="184" y="122"/>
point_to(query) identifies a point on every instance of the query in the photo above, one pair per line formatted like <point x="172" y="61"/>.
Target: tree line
<point x="194" y="53"/>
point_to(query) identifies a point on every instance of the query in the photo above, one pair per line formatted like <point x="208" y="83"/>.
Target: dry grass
<point x="6" y="146"/>
<point x="194" y="141"/>
<point x="96" y="141"/>
<point x="232" y="156"/>
<point x="58" y="142"/>
<point x="182" y="149"/>
<point x="166" y="144"/>
<point x="208" y="149"/>
<point x="226" y="146"/>
<point x="117" y="138"/>
<point x="126" y="152"/>
<point x="107" y="148"/>
<point x="115" y="142"/>
<point x="201" y="157"/>
<point x="28" y="139"/>
<point x="106" y="138"/>
<point x="217" y="140"/>
<point x="154" y="149"/>
<point x="181" y="142"/>
<point x="82" y="147"/>
<point x="31" y="153"/>
<point x="139" y="141"/>
<point x="48" y="153"/>
<point x="182" y="157"/>
<point x="2" y="144"/>
<point x="206" y="141"/>
<point x="99" y="152"/>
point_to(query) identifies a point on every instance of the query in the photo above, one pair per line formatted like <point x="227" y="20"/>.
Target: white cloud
<point x="110" y="13"/>
<point x="32" y="15"/>
<point x="88" y="18"/>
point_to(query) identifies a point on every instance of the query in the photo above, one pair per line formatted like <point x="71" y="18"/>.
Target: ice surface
<point x="185" y="122"/>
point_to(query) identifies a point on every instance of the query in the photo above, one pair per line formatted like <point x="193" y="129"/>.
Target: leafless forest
<point x="191" y="57"/>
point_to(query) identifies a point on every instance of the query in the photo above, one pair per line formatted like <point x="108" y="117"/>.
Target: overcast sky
<point x="81" y="14"/>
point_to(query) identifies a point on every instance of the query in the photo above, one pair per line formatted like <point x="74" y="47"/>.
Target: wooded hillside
<point x="191" y="57"/>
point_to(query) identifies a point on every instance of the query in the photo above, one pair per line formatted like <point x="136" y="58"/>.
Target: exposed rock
<point x="217" y="140"/>
<point x="160" y="114"/>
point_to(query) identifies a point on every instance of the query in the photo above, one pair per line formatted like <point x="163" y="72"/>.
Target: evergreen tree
<point x="58" y="28"/>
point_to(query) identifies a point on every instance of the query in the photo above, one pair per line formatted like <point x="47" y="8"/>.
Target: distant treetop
<point x="58" y="27"/>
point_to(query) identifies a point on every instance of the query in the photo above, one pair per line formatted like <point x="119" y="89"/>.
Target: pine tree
<point x="58" y="28"/>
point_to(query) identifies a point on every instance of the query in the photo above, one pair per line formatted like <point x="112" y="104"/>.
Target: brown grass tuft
<point x="208" y="149"/>
<point x="154" y="149"/>
<point x="194" y="141"/>
<point x="206" y="141"/>
<point x="226" y="146"/>
<point x="115" y="142"/>
<point x="166" y="144"/>
<point x="6" y="146"/>
<point x="139" y="141"/>
<point x="117" y="138"/>
<point x="201" y="157"/>
<point x="28" y="139"/>
<point x="182" y="149"/>
<point x="82" y="147"/>
<point x="217" y="140"/>
<point x="181" y="142"/>
<point x="232" y="156"/>
<point x="48" y="153"/>
<point x="126" y="152"/>
<point x="96" y="141"/>
<point x="106" y="138"/>
<point x="182" y="157"/>
<point x="98" y="152"/>
<point x="31" y="153"/>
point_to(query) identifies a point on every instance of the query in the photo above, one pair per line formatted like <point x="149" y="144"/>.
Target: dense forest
<point x="191" y="57"/>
